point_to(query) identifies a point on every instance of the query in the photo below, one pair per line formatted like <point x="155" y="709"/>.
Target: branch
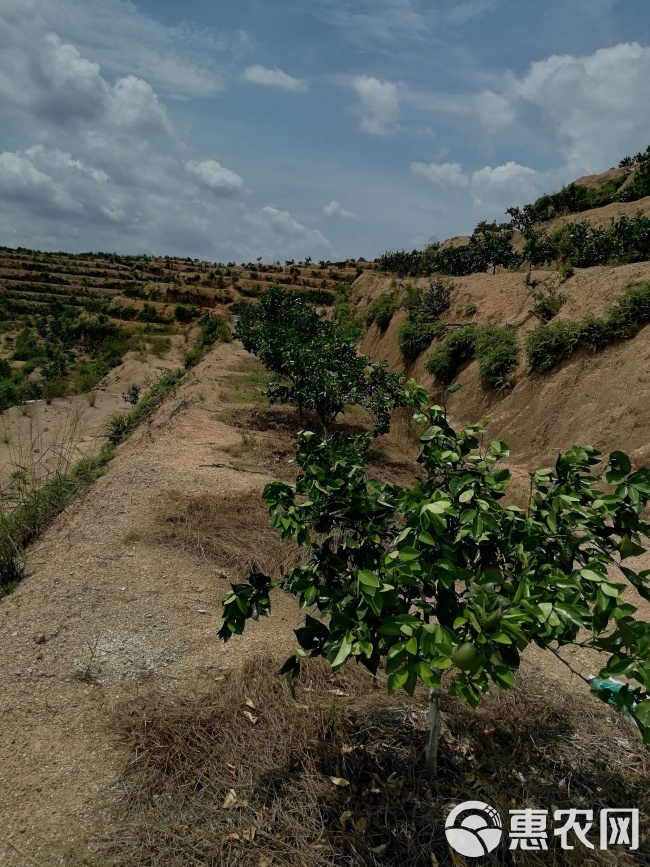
<point x="569" y="666"/>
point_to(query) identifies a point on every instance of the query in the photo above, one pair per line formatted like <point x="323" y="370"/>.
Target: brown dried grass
<point x="242" y="775"/>
<point x="232" y="530"/>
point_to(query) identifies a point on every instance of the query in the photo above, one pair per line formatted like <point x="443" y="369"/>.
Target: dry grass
<point x="242" y="775"/>
<point x="232" y="530"/>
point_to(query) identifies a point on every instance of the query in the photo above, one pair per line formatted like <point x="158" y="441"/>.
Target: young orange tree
<point x="441" y="576"/>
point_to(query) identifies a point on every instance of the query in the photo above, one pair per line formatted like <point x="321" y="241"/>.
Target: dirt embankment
<point x="600" y="398"/>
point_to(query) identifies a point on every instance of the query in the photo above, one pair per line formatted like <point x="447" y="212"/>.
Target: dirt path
<point x="100" y="614"/>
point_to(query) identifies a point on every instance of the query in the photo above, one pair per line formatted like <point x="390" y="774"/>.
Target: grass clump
<point x="550" y="344"/>
<point x="381" y="310"/>
<point x="20" y="526"/>
<point x="213" y="328"/>
<point x="121" y="424"/>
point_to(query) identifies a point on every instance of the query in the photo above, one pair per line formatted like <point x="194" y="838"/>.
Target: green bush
<point x="381" y="310"/>
<point x="55" y="387"/>
<point x="27" y="347"/>
<point x="85" y="379"/>
<point x="495" y="347"/>
<point x="457" y="348"/>
<point x="550" y="344"/>
<point x="415" y="335"/>
<point x="548" y="304"/>
<point x="497" y="350"/>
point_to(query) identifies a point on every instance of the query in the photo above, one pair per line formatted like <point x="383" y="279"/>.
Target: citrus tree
<point x="441" y="577"/>
<point x="315" y="365"/>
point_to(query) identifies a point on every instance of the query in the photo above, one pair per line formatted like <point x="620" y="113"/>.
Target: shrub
<point x="55" y="387"/>
<point x="185" y="314"/>
<point x="381" y="310"/>
<point x="457" y="348"/>
<point x="550" y="344"/>
<point x="85" y="379"/>
<point x="548" y="304"/>
<point x="470" y="308"/>
<point x="27" y="347"/>
<point x="415" y="335"/>
<point x="497" y="350"/>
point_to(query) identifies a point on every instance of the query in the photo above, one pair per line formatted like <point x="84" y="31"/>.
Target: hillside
<point x="131" y="735"/>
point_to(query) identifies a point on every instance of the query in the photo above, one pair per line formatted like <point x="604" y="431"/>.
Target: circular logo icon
<point x="473" y="829"/>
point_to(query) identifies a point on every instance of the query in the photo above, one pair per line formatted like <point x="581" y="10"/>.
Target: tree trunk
<point x="434" y="733"/>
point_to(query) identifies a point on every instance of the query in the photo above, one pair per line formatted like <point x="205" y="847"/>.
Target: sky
<point x="238" y="129"/>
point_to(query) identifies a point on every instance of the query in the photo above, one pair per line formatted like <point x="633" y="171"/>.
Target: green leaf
<point x="344" y="652"/>
<point x="412" y="646"/>
<point x="642" y="713"/>
<point x="368" y="578"/>
<point x="466" y="496"/>
<point x="408" y="554"/>
<point x="630" y="548"/>
<point x="396" y="680"/>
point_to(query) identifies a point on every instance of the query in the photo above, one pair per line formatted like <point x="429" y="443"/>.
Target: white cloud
<point x="334" y="209"/>
<point x="502" y="186"/>
<point x="379" y="104"/>
<point x="595" y="102"/>
<point x="133" y="103"/>
<point x="183" y="59"/>
<point x="494" y="110"/>
<point x="445" y="174"/>
<point x="276" y="228"/>
<point x="461" y="13"/>
<point x="274" y="78"/>
<point x="215" y="177"/>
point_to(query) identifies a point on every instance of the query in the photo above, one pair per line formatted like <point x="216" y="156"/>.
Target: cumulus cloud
<point x="214" y="176"/>
<point x="274" y="78"/>
<point x="494" y="110"/>
<point x="334" y="209"/>
<point x="593" y="101"/>
<point x="501" y="186"/>
<point x="274" y="228"/>
<point x="445" y="174"/>
<point x="378" y="104"/>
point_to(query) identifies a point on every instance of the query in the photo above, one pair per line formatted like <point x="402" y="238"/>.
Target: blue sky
<point x="232" y="130"/>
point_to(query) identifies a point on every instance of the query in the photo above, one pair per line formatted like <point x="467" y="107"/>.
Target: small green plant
<point x="55" y="387"/>
<point x="470" y="308"/>
<point x="441" y="577"/>
<point x="547" y="303"/>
